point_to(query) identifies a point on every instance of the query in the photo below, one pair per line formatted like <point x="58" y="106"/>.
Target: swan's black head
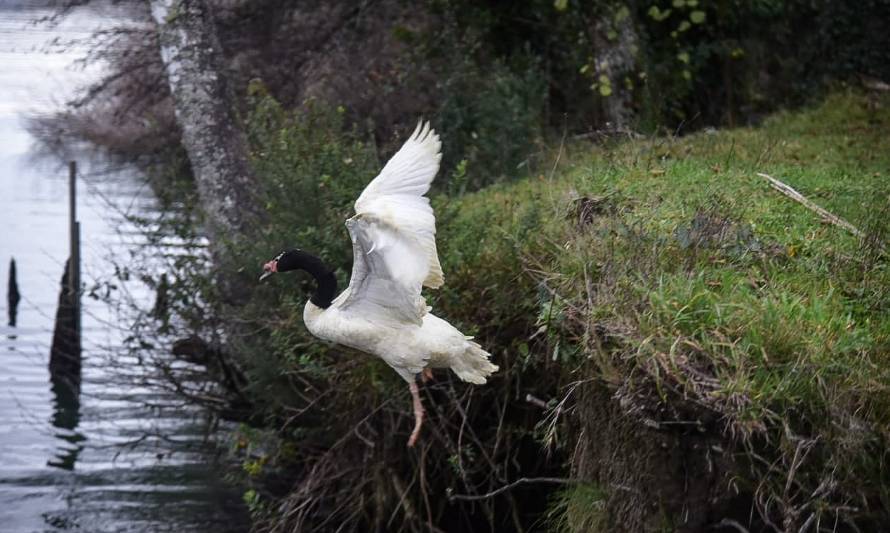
<point x="287" y="261"/>
<point x="299" y="260"/>
<point x="271" y="267"/>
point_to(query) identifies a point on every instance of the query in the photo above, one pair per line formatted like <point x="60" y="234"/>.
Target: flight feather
<point x="394" y="233"/>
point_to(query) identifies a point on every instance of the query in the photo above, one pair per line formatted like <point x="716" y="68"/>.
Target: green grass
<point x="578" y="508"/>
<point x="679" y="272"/>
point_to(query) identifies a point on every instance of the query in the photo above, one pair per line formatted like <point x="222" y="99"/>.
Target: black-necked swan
<point x="382" y="312"/>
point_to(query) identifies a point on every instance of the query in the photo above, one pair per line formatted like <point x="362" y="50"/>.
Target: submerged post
<point x="12" y="294"/>
<point x="74" y="241"/>
<point x="65" y="353"/>
<point x="65" y="375"/>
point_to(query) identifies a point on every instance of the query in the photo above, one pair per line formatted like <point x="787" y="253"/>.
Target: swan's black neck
<point x="326" y="289"/>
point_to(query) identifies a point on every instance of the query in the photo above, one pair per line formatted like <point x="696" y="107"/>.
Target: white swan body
<point x="408" y="350"/>
<point x="383" y="312"/>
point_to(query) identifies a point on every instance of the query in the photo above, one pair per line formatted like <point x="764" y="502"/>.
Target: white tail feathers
<point x="473" y="365"/>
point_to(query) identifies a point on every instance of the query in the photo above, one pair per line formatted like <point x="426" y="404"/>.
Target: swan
<point x="382" y="312"/>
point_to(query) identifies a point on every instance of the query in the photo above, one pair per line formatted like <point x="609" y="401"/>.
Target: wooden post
<point x="12" y="294"/>
<point x="65" y="353"/>
<point x="74" y="240"/>
<point x="75" y="296"/>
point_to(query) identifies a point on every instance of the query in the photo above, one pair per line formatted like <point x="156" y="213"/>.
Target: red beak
<point x="268" y="269"/>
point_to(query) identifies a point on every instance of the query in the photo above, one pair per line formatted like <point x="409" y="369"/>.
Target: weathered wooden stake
<point x="12" y="294"/>
<point x="74" y="240"/>
<point x="65" y="352"/>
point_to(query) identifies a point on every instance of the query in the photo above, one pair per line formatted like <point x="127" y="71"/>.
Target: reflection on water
<point x="102" y="448"/>
<point x="65" y="374"/>
<point x="66" y="417"/>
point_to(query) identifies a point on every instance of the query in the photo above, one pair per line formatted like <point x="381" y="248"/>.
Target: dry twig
<point x="505" y="488"/>
<point x="803" y="200"/>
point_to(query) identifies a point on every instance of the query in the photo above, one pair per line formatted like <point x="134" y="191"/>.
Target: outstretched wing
<point x="394" y="235"/>
<point x="387" y="273"/>
<point x="396" y="196"/>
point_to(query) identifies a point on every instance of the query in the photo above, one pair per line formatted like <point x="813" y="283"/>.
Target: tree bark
<point x="615" y="44"/>
<point x="205" y="111"/>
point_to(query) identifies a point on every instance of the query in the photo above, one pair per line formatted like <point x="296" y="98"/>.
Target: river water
<point x="123" y="455"/>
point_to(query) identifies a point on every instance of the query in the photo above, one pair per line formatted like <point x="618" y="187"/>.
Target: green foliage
<point x="491" y="108"/>
<point x="312" y="170"/>
<point x="579" y="508"/>
<point x="251" y="499"/>
<point x="490" y="118"/>
<point x="704" y="62"/>
<point x="742" y="58"/>
<point x="850" y="40"/>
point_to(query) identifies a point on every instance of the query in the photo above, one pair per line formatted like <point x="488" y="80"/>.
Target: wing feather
<point x="396" y="195"/>
<point x="410" y="171"/>
<point x="394" y="235"/>
<point x="387" y="274"/>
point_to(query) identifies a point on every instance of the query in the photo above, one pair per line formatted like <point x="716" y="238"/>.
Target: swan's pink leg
<point x="418" y="413"/>
<point x="426" y="374"/>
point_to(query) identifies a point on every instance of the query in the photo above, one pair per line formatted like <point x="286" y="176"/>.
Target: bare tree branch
<point x="505" y="488"/>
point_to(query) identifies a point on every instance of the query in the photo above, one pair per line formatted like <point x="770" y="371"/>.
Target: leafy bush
<point x="312" y="170"/>
<point x="491" y="117"/>
<point x="698" y="62"/>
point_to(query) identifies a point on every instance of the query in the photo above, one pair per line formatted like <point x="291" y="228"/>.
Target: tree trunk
<point x="205" y="111"/>
<point x="615" y="44"/>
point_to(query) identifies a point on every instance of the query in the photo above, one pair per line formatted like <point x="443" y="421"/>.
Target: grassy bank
<point x="685" y="343"/>
<point x="705" y="303"/>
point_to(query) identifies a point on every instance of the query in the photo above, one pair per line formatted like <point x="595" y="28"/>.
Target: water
<point x="123" y="455"/>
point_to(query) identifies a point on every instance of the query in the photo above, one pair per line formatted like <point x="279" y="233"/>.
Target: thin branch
<point x="803" y="200"/>
<point x="505" y="488"/>
<point x="728" y="522"/>
<point x="534" y="400"/>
